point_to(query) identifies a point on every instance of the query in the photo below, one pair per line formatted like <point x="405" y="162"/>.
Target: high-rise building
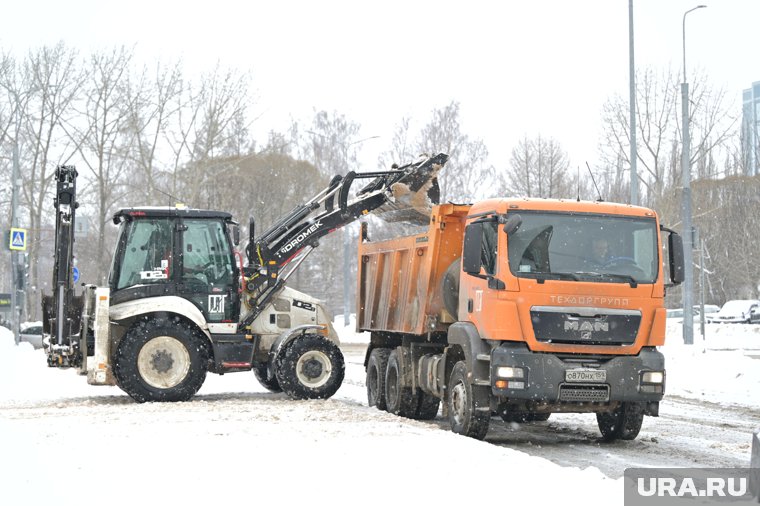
<point x="751" y="129"/>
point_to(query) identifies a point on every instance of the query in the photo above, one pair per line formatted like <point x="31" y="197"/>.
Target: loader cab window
<point x="206" y="253"/>
<point x="147" y="253"/>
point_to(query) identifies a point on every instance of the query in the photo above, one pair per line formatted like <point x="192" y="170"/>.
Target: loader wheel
<point x="271" y="384"/>
<point x="399" y="399"/>
<point x="310" y="367"/>
<point x="160" y="361"/>
<point x="623" y="423"/>
<point x="464" y="417"/>
<point x="376" y="367"/>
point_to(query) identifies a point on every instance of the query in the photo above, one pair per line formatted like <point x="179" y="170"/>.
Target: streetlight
<point x="688" y="323"/>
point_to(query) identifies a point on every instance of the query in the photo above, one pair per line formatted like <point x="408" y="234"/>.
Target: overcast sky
<point x="516" y="67"/>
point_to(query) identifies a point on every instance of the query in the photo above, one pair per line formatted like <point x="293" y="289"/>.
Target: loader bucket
<point x="414" y="192"/>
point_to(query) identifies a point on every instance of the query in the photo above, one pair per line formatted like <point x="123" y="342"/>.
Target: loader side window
<point x="206" y="254"/>
<point x="147" y="253"/>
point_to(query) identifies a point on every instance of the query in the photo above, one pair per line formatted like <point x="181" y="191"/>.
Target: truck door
<point x="207" y="273"/>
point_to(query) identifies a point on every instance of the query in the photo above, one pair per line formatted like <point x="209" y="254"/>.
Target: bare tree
<point x="152" y="103"/>
<point x="538" y="168"/>
<point x="103" y="138"/>
<point x="55" y="79"/>
<point x="658" y="130"/>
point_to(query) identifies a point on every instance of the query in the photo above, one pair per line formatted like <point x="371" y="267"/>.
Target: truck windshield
<point x="585" y="247"/>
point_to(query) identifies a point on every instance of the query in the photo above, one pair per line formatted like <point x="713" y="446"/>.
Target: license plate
<point x="585" y="375"/>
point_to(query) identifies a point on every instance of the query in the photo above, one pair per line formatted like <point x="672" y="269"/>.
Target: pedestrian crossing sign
<point x="18" y="239"/>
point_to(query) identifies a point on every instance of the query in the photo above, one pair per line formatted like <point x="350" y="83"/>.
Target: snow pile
<point x="719" y="369"/>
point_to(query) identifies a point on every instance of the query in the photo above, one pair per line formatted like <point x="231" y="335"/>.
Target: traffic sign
<point x="5" y="302"/>
<point x="17" y="239"/>
<point x="75" y="272"/>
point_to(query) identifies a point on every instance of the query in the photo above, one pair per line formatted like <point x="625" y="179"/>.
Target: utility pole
<point x="632" y="108"/>
<point x="16" y="295"/>
<point x="688" y="242"/>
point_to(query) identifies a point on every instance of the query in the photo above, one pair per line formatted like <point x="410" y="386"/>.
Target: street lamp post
<point x="688" y="284"/>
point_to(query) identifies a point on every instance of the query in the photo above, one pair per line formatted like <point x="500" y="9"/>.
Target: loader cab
<point x="177" y="252"/>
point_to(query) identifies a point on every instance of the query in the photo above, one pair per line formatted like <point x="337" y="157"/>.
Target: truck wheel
<point x="465" y="419"/>
<point x="310" y="367"/>
<point x="161" y="361"/>
<point x="260" y="371"/>
<point x="399" y="399"/>
<point x="623" y="423"/>
<point x="427" y="406"/>
<point x="376" y="367"/>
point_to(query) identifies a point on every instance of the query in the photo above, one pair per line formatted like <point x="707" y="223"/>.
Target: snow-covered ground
<point x="65" y="442"/>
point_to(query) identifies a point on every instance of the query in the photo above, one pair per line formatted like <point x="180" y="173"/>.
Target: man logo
<point x="587" y="326"/>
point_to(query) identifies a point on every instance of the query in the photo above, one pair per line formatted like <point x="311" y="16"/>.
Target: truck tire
<point x="260" y="371"/>
<point x="464" y="418"/>
<point x="310" y="367"/>
<point x="427" y="406"/>
<point x="160" y="361"/>
<point x="623" y="423"/>
<point x="376" y="367"/>
<point x="400" y="400"/>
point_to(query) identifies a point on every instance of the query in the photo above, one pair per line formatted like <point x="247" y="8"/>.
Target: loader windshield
<point x="147" y="252"/>
<point x="585" y="247"/>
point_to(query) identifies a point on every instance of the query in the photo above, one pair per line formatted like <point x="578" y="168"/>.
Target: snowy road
<point x="687" y="433"/>
<point x="234" y="441"/>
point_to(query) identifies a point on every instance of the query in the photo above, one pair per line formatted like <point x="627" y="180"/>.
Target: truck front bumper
<point x="518" y="373"/>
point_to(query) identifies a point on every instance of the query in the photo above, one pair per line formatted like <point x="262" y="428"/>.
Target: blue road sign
<point x="75" y="272"/>
<point x="18" y="239"/>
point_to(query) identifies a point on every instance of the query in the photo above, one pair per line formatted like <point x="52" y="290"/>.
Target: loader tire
<point x="376" y="367"/>
<point x="310" y="367"/>
<point x="464" y="416"/>
<point x="400" y="399"/>
<point x="623" y="423"/>
<point x="160" y="361"/>
<point x="271" y="384"/>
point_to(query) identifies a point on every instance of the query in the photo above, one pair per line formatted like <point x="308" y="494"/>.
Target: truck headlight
<point x="510" y="372"/>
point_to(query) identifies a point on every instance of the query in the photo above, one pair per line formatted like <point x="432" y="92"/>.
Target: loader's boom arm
<point x="404" y="193"/>
<point x="61" y="310"/>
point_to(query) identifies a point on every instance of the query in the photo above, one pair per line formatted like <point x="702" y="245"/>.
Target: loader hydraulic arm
<point x="61" y="310"/>
<point x="401" y="194"/>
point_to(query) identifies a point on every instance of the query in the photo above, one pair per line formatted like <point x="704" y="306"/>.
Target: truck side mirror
<point x="235" y="234"/>
<point x="512" y="224"/>
<point x="471" y="252"/>
<point x="675" y="248"/>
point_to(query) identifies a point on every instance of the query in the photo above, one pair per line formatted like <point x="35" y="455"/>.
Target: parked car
<point x="31" y="332"/>
<point x="676" y="315"/>
<point x="737" y="311"/>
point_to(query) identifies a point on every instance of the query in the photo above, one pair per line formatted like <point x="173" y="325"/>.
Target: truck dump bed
<point x="401" y="284"/>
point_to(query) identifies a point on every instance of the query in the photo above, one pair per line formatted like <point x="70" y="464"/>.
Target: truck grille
<point x="578" y="325"/>
<point x="584" y="393"/>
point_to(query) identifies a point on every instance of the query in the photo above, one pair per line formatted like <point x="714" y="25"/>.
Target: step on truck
<point x="180" y="302"/>
<point x="519" y="308"/>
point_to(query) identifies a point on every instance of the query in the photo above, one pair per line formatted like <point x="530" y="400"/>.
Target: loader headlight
<point x="510" y="372"/>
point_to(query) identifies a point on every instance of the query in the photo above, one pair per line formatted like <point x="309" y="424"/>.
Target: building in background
<point x="751" y="129"/>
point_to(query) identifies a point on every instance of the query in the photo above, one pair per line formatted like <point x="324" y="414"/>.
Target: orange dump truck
<point x="521" y="308"/>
